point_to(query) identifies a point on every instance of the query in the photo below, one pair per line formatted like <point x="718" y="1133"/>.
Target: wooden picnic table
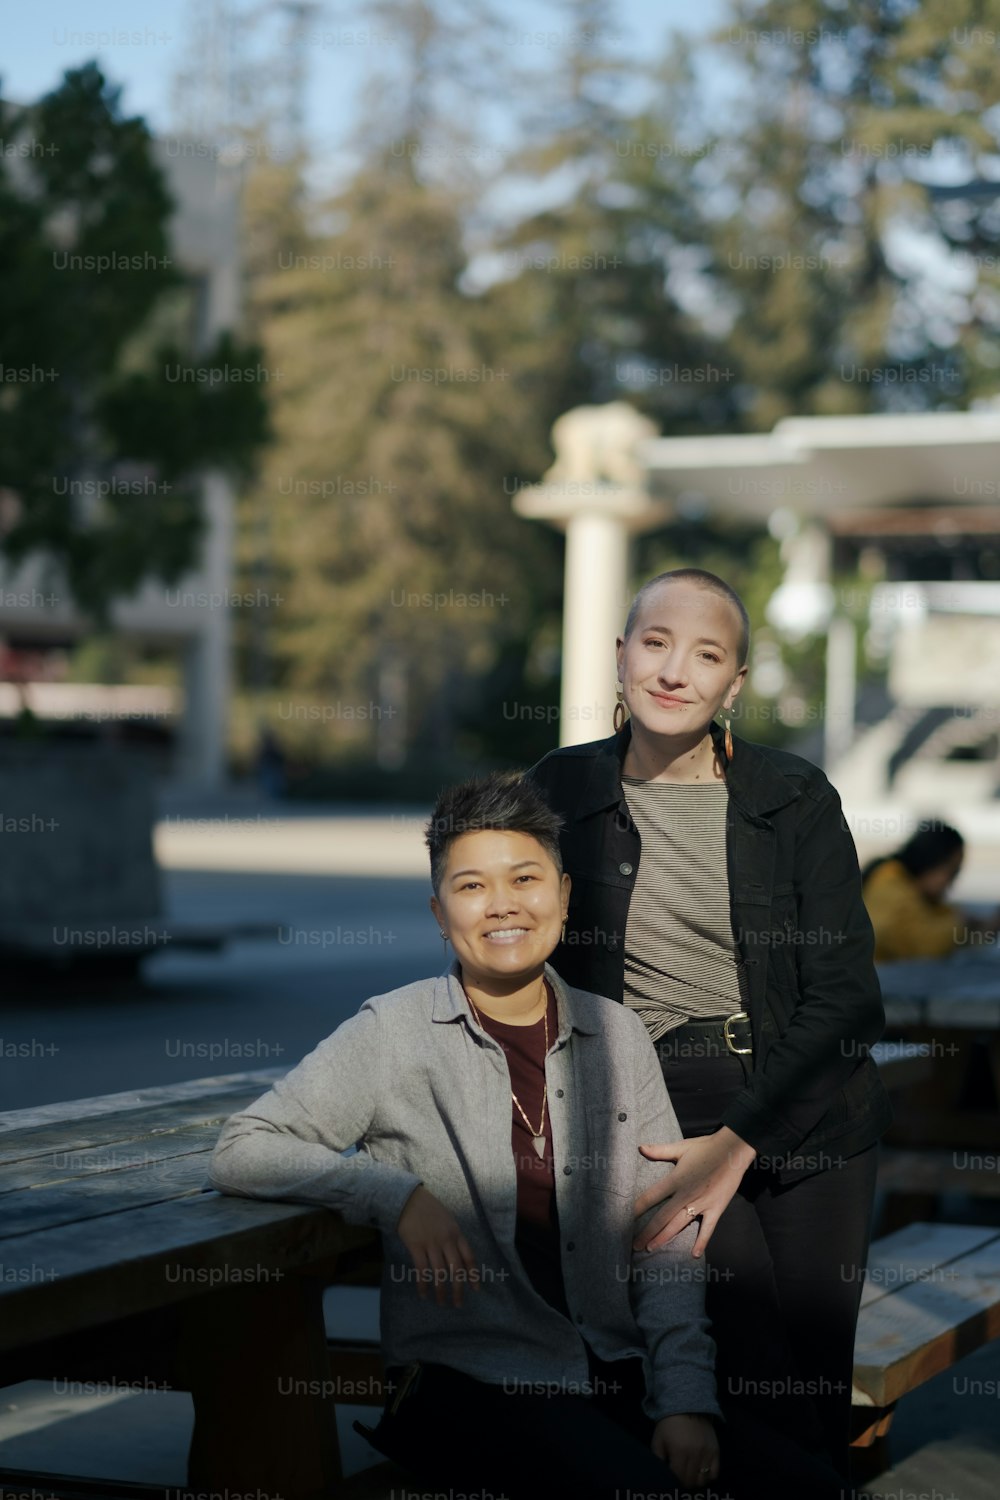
<point x="948" y="1010"/>
<point x="960" y="992"/>
<point x="108" y="1223"/>
<point x="119" y="1260"/>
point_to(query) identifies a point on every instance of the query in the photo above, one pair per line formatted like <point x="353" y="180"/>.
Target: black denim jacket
<point x="799" y="922"/>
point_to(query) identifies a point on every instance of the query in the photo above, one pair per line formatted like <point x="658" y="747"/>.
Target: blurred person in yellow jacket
<point x="905" y="896"/>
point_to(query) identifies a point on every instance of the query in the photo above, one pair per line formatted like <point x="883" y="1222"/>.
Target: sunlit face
<point x="680" y="665"/>
<point x="502" y="904"/>
<point x="935" y="882"/>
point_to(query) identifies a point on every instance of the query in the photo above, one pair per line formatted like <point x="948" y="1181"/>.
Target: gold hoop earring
<point x="620" y="713"/>
<point x="729" y="739"/>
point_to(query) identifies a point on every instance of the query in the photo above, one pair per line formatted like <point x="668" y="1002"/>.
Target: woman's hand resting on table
<point x="689" y="1445"/>
<point x="709" y="1170"/>
<point x="440" y="1251"/>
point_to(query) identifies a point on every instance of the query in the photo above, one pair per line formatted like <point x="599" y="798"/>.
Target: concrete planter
<point x="79" y="880"/>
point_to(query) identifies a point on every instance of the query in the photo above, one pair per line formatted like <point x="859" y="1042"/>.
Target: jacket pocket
<point x="609" y="1164"/>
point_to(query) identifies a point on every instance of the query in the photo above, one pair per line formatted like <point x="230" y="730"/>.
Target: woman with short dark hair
<point x="497" y="1114"/>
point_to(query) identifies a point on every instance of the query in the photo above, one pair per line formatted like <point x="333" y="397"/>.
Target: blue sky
<point x="142" y="44"/>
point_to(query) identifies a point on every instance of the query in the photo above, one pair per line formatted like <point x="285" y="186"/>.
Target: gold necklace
<point x="537" y="1136"/>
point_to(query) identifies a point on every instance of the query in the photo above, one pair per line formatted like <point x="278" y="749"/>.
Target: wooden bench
<point x="901" y="1064"/>
<point x="949" y="1009"/>
<point x="911" y="1183"/>
<point x="911" y="1178"/>
<point x="931" y="1296"/>
<point x="931" y="1077"/>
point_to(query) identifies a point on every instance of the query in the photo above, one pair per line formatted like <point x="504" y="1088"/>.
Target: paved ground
<point x="257" y="1003"/>
<point x="236" y="832"/>
<point x="347" y="897"/>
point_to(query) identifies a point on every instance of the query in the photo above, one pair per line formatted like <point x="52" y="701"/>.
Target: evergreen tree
<point x="848" y="115"/>
<point x="392" y="540"/>
<point x="101" y="447"/>
<point x="593" y="300"/>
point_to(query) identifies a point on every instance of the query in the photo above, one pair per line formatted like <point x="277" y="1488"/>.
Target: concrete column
<point x="595" y="584"/>
<point x="207" y="665"/>
<point x="841" y="686"/>
<point x="598" y="525"/>
<point x="594" y="492"/>
<point x="197" y="732"/>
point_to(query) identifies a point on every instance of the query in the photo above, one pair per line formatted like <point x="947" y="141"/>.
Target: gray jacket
<point x="424" y="1092"/>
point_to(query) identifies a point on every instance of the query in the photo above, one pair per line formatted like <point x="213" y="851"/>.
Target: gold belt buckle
<point x="739" y="1015"/>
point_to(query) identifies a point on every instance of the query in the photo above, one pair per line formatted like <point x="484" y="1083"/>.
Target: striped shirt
<point x="681" y="961"/>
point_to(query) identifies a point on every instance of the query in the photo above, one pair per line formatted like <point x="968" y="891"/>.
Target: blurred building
<point x="912" y="504"/>
<point x="191" y="618"/>
<point x="908" y="503"/>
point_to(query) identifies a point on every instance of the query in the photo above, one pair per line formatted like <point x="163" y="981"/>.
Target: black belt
<point x="734" y="1031"/>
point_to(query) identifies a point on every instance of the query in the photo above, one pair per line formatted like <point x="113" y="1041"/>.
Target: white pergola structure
<point x="596" y="493"/>
<point x="873" y="479"/>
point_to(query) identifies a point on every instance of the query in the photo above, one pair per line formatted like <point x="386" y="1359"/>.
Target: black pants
<point x="462" y="1435"/>
<point x="786" y="1264"/>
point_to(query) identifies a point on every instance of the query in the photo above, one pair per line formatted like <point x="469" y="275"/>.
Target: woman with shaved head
<point x="716" y="892"/>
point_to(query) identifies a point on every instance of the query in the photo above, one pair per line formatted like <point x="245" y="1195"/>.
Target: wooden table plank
<point x="901" y="1050"/>
<point x="74" y="1110"/>
<point x="955" y="1107"/>
<point x="968" y="1012"/>
<point x="101" y="1195"/>
<point x="59" y="1281"/>
<point x="126" y="1125"/>
<point x="93" y="1195"/>
<point x="923" y="1328"/>
<point x="959" y="993"/>
<point x="962" y="971"/>
<point x="901" y="1064"/>
<point x="935" y="1172"/>
<point x="954" y="1010"/>
<point x="913" y="1253"/>
<point x="902" y="1011"/>
<point x="41" y="1172"/>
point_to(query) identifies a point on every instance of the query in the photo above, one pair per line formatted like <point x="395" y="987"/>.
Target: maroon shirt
<point x="537" y="1233"/>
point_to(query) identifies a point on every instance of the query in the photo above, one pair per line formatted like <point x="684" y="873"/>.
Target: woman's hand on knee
<point x="708" y="1170"/>
<point x="689" y="1445"/>
<point x="440" y="1251"/>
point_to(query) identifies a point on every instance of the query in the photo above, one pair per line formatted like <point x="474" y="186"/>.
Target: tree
<point x="101" y="445"/>
<point x="593" y="301"/>
<point x="382" y="503"/>
<point x="847" y="116"/>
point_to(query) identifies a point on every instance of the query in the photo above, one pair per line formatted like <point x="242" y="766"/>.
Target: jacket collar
<point x="753" y="782"/>
<point x="451" y="1004"/>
